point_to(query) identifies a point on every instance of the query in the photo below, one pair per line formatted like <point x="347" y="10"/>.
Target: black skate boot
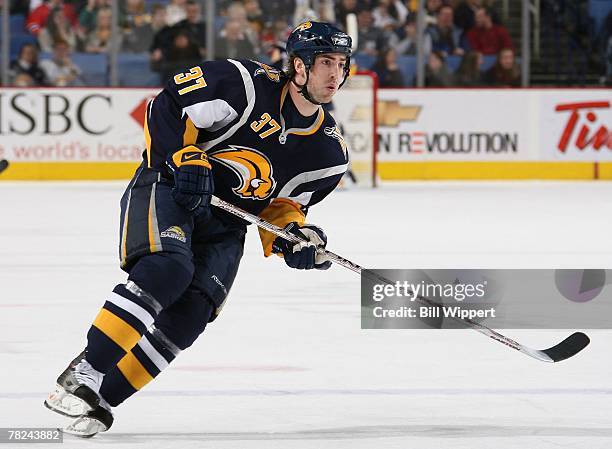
<point x="76" y="390"/>
<point x="100" y="419"/>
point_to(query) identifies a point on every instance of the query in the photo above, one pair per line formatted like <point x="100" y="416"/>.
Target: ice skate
<point x="100" y="419"/>
<point x="76" y="390"/>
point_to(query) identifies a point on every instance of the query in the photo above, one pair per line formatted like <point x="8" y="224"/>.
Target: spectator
<point x="176" y="11"/>
<point x="487" y="37"/>
<point x="57" y="29"/>
<point x="194" y="25"/>
<point x="60" y="70"/>
<point x="138" y="31"/>
<point x="437" y="73"/>
<point x="432" y="7"/>
<point x="608" y="80"/>
<point x="87" y="17"/>
<point x="233" y="43"/>
<point x="162" y="34"/>
<point x="387" y="69"/>
<point x="135" y="14"/>
<point x="404" y="40"/>
<point x="38" y="17"/>
<point x="27" y="64"/>
<point x="254" y="15"/>
<point x="181" y="54"/>
<point x="100" y="39"/>
<point x="370" y="39"/>
<point x="237" y="12"/>
<point x="444" y="36"/>
<point x="465" y="12"/>
<point x="345" y="7"/>
<point x="505" y="72"/>
<point x="389" y="14"/>
<point x="468" y="74"/>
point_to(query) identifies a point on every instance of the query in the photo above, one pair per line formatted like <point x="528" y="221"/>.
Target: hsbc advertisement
<point x="495" y="125"/>
<point x="65" y="125"/>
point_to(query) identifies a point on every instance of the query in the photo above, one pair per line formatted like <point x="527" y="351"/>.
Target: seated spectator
<point x="194" y="25"/>
<point x="468" y="74"/>
<point x="99" y="39"/>
<point x="182" y="54"/>
<point x="87" y="17"/>
<point x="254" y="15"/>
<point x="27" y="64"/>
<point x="608" y="80"/>
<point x="432" y="7"/>
<point x="465" y="12"/>
<point x="505" y="72"/>
<point x="162" y="33"/>
<point x="233" y="43"/>
<point x="444" y="36"/>
<point x="60" y="70"/>
<point x="37" y="19"/>
<point x="389" y="14"/>
<point x="176" y="11"/>
<point x="437" y="73"/>
<point x="387" y="69"/>
<point x="345" y="7"/>
<point x="57" y="29"/>
<point x="138" y="30"/>
<point x="370" y="40"/>
<point x="237" y="12"/>
<point x="404" y="40"/>
<point x="486" y="37"/>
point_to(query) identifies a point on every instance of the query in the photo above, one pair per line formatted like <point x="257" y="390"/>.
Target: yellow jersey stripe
<point x="136" y="374"/>
<point x="191" y="133"/>
<point x="117" y="330"/>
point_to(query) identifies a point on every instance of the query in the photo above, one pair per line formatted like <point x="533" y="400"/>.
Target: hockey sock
<point x="124" y="317"/>
<point x="138" y="367"/>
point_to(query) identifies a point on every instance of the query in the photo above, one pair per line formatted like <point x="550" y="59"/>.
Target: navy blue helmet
<point x="310" y="39"/>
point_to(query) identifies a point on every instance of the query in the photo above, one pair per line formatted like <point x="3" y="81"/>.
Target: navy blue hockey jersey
<point x="259" y="147"/>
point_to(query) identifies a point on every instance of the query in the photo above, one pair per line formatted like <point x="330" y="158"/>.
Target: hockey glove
<point x="303" y="255"/>
<point x="193" y="182"/>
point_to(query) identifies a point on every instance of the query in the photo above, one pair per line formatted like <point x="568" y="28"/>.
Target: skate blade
<point x="85" y="427"/>
<point x="64" y="403"/>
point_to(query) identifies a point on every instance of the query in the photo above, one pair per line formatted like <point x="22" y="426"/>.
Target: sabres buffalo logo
<point x="252" y="168"/>
<point x="334" y="133"/>
<point x="272" y="73"/>
<point x="303" y="26"/>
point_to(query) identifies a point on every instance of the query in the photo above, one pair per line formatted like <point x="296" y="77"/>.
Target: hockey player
<point x="255" y="137"/>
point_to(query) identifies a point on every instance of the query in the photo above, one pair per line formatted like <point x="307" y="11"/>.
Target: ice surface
<point x="286" y="365"/>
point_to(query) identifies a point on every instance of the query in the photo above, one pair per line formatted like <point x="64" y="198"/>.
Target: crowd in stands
<point x="464" y="42"/>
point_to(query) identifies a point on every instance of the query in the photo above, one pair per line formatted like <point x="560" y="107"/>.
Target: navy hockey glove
<point x="193" y="182"/>
<point x="303" y="255"/>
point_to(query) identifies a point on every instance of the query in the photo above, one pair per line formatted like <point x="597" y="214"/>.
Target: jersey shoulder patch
<point x="332" y="131"/>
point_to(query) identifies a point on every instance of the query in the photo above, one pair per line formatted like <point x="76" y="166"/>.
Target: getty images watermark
<point x="517" y="299"/>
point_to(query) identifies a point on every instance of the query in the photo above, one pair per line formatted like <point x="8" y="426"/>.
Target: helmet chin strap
<point x="303" y="90"/>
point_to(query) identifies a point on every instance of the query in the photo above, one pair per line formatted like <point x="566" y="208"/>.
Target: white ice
<point x="286" y="365"/>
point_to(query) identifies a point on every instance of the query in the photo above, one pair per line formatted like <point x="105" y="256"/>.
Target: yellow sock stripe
<point x="117" y="330"/>
<point x="136" y="374"/>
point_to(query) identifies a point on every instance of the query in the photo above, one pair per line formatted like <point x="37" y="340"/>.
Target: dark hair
<point x="24" y="46"/>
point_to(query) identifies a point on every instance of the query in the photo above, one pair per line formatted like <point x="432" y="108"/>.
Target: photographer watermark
<point x="518" y="299"/>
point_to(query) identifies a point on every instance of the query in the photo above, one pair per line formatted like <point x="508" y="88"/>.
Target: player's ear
<point x="300" y="70"/>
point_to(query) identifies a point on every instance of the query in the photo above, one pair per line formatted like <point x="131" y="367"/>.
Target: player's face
<point x="326" y="74"/>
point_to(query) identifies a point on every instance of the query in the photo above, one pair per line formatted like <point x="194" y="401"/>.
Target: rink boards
<point x="84" y="133"/>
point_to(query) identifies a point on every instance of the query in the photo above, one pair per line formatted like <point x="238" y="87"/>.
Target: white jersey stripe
<point x="310" y="176"/>
<point x="132" y="308"/>
<point x="249" y="89"/>
<point x="160" y="362"/>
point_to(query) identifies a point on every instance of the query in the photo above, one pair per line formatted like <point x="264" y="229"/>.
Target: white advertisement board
<point x="495" y="125"/>
<point x="72" y="125"/>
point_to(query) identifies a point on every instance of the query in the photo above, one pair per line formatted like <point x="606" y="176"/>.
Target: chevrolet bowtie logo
<point x="390" y="113"/>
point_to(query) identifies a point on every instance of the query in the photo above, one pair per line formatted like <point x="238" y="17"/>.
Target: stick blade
<point x="3" y="165"/>
<point x="569" y="347"/>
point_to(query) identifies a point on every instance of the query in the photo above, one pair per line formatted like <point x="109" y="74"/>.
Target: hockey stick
<point x="561" y="351"/>
<point x="3" y="165"/>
